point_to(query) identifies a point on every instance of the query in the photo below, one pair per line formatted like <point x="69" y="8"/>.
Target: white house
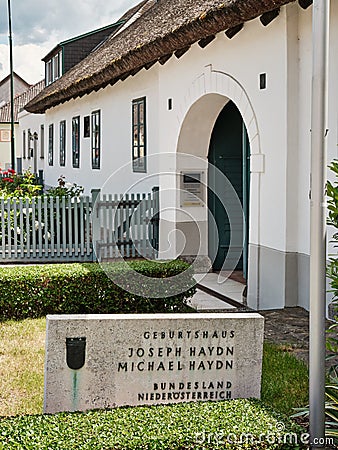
<point x="23" y="140"/>
<point x="19" y="87"/>
<point x="209" y="100"/>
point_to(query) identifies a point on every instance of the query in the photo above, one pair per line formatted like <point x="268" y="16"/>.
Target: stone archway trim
<point x="217" y="82"/>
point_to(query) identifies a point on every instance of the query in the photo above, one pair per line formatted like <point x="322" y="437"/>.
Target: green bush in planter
<point x="35" y="291"/>
<point x="236" y="424"/>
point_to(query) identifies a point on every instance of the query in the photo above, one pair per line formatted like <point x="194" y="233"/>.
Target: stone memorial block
<point x="102" y="361"/>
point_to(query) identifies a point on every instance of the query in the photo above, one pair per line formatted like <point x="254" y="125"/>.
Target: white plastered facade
<point x="277" y="121"/>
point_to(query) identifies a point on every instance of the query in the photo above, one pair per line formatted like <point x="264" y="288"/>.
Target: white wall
<point x="20" y="86"/>
<point x="236" y="59"/>
<point x="304" y="146"/>
<point x="35" y="157"/>
<point x="5" y="147"/>
<point x="115" y="104"/>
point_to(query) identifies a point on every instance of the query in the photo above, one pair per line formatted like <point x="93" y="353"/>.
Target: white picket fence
<point x="45" y="228"/>
<point x="62" y="229"/>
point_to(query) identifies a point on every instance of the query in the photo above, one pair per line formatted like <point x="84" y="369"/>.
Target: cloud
<point x="36" y="21"/>
<point x="26" y="61"/>
<point x="39" y="25"/>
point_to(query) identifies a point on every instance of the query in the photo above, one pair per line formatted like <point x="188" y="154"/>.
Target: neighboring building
<point x="190" y="86"/>
<point x="5" y="125"/>
<point x="20" y="86"/>
<point x="31" y="141"/>
<point x="70" y="52"/>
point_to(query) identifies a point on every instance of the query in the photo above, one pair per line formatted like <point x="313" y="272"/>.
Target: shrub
<point x="331" y="388"/>
<point x="15" y="185"/>
<point x="35" y="291"/>
<point x="65" y="189"/>
<point x="235" y="424"/>
<point x="21" y="190"/>
<point x="331" y="404"/>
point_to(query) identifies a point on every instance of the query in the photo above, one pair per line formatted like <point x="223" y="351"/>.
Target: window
<point x="62" y="143"/>
<point x="49" y="72"/>
<point x="76" y="141"/>
<point x="262" y="81"/>
<point x="96" y="140"/>
<point x="42" y="141"/>
<point x="24" y="144"/>
<point x="86" y="126"/>
<point x="54" y="68"/>
<point x="29" y="145"/>
<point x="50" y="144"/>
<point x="139" y="135"/>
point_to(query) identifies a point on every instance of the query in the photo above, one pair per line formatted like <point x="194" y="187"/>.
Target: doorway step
<point x="217" y="293"/>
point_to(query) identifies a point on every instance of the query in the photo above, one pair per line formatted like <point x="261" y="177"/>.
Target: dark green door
<point x="228" y="193"/>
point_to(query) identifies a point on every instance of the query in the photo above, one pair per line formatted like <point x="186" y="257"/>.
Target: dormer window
<point x="54" y="68"/>
<point x="67" y="54"/>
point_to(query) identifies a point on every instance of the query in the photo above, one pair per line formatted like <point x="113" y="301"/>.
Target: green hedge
<point x="235" y="424"/>
<point x="35" y="291"/>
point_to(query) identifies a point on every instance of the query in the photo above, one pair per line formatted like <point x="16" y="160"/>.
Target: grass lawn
<point x="285" y="379"/>
<point x="22" y="351"/>
<point x="22" y="347"/>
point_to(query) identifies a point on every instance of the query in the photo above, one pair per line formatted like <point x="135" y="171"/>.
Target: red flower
<point x="5" y="172"/>
<point x="9" y="180"/>
<point x="11" y="171"/>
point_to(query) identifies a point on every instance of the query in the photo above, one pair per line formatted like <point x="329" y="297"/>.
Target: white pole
<point x="320" y="23"/>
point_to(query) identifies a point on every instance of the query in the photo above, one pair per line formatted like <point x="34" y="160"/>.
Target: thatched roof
<point x="167" y="27"/>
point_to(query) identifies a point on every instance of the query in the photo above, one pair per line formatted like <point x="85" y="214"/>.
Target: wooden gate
<point x="126" y="226"/>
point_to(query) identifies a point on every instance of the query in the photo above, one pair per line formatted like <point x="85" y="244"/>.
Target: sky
<point x="39" y="25"/>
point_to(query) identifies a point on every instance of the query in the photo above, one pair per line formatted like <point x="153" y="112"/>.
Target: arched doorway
<point x="228" y="159"/>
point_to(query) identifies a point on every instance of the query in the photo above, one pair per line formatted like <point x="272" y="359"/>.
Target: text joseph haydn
<point x="192" y="352"/>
